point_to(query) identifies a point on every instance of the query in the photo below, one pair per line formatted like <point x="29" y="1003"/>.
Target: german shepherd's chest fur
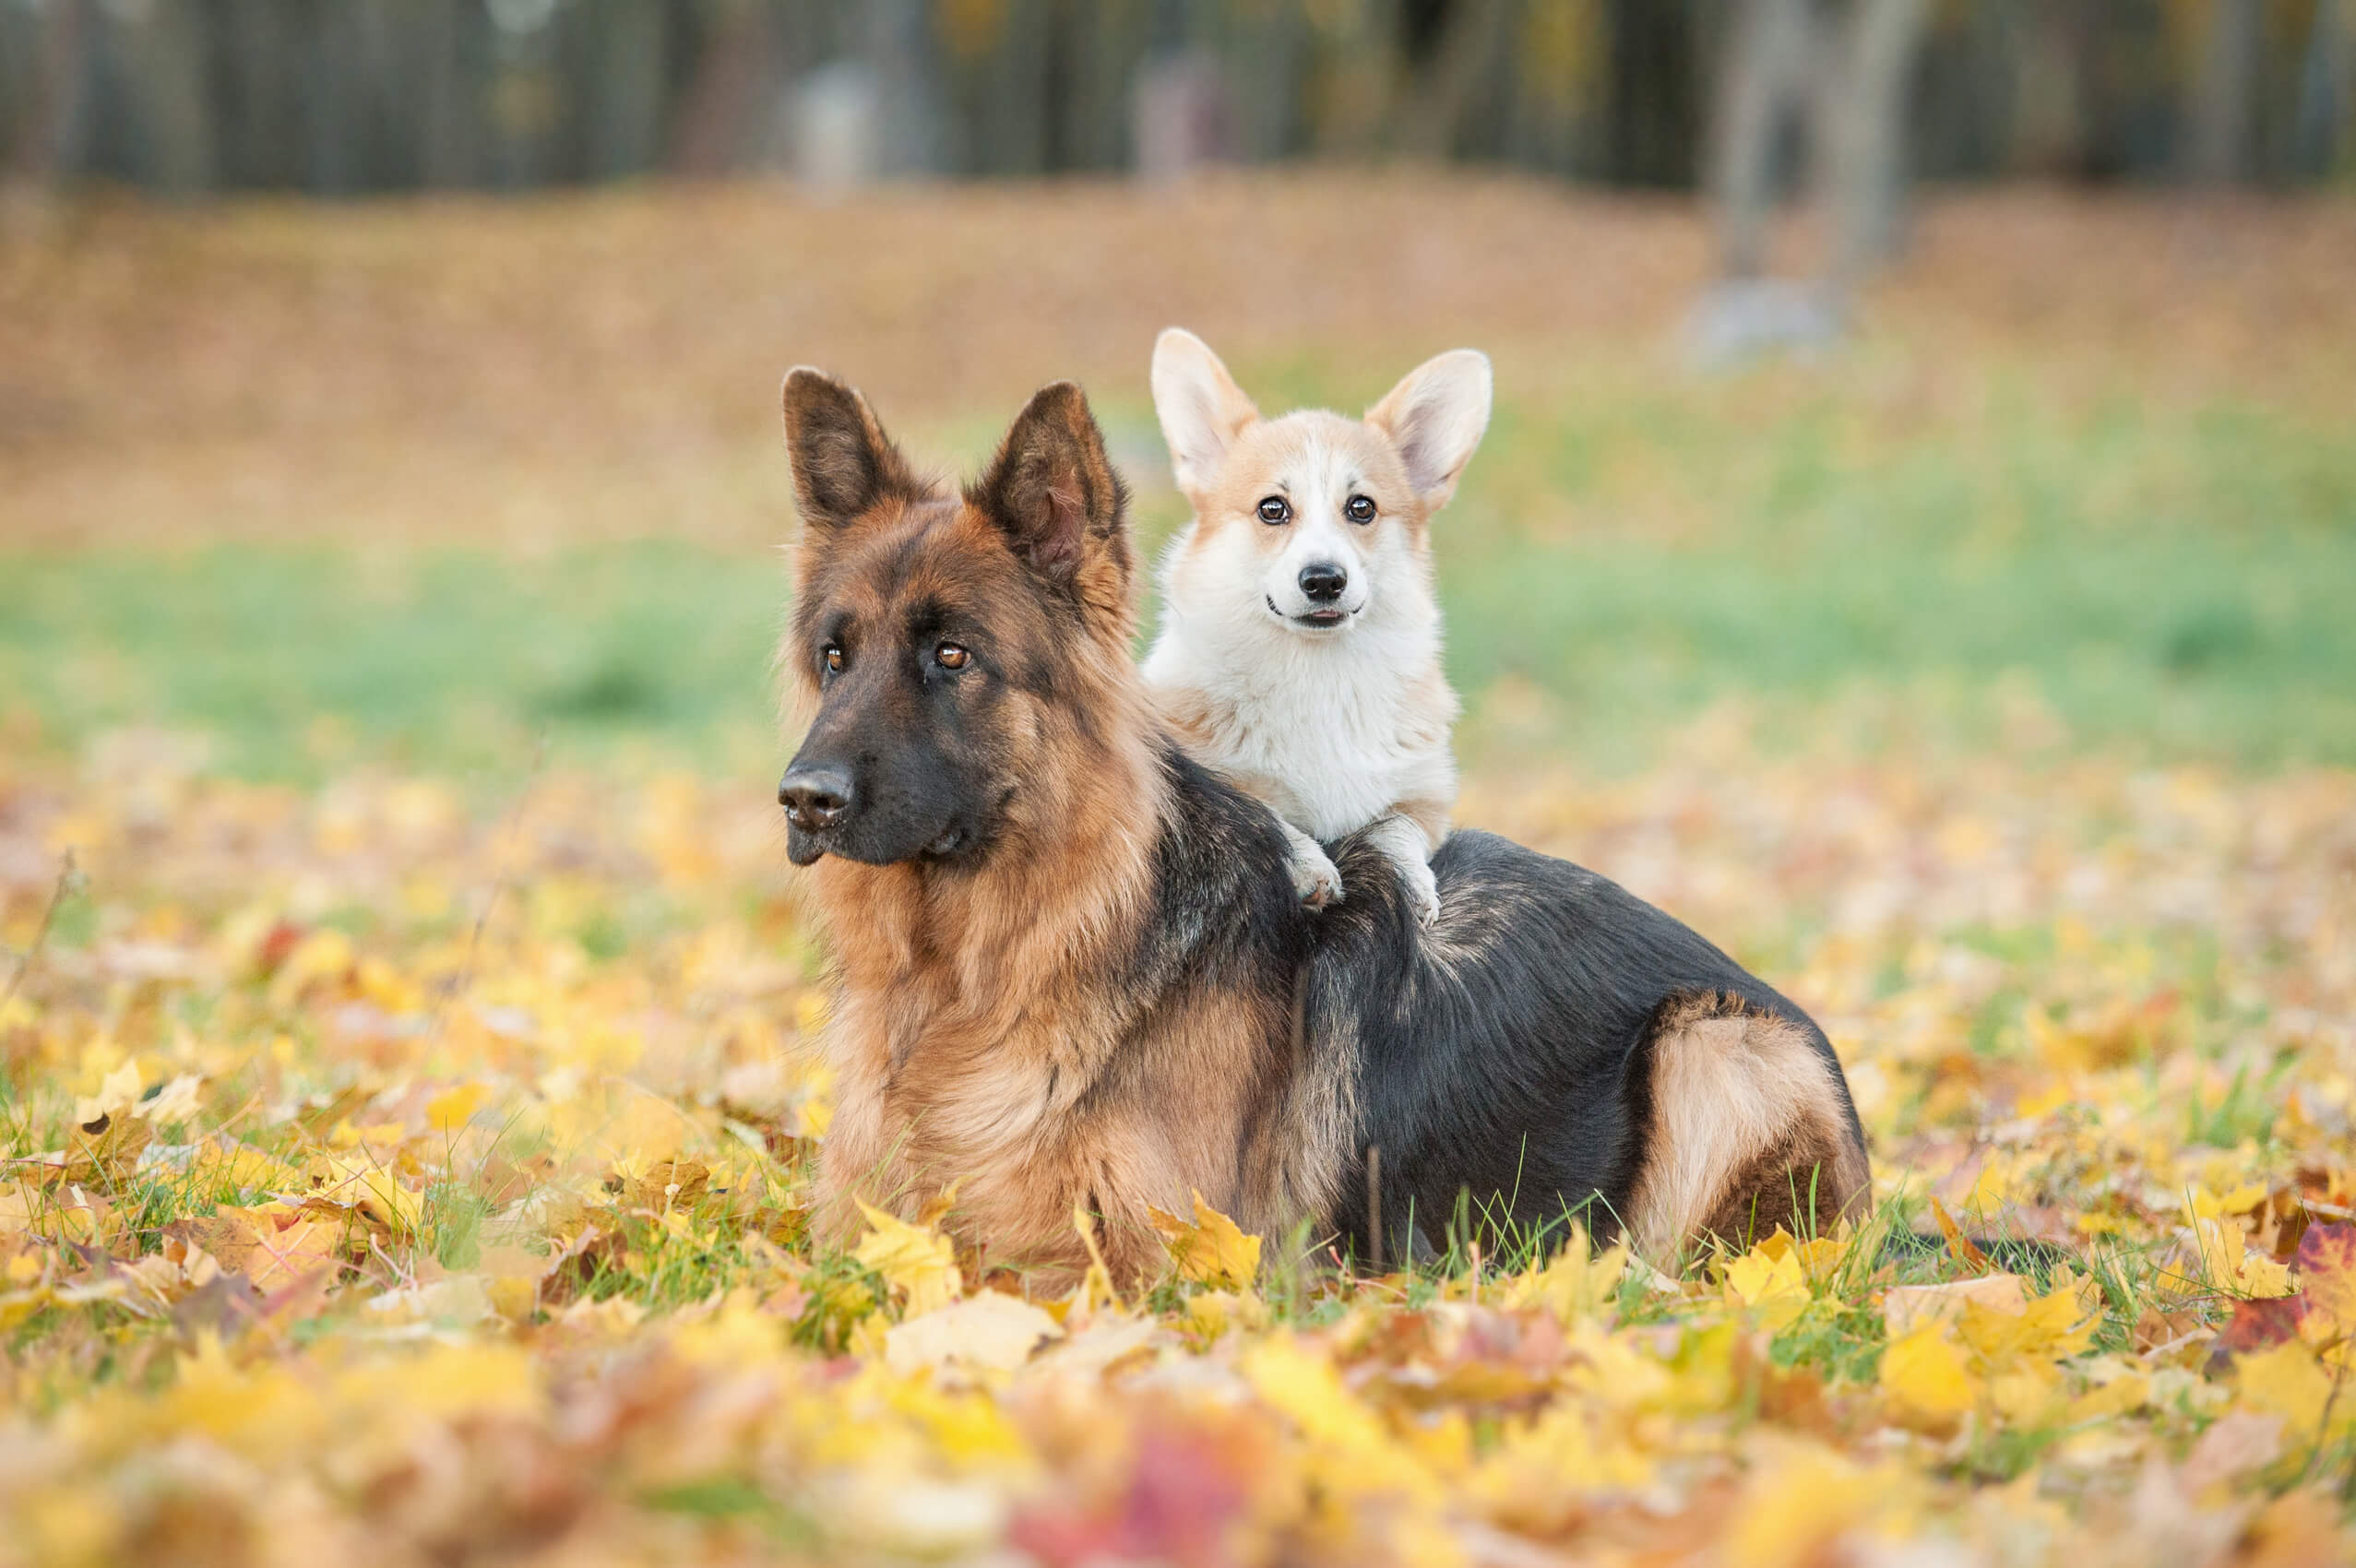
<point x="1106" y="1044"/>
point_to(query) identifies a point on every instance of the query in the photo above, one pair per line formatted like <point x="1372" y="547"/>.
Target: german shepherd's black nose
<point x="816" y="794"/>
<point x="1322" y="581"/>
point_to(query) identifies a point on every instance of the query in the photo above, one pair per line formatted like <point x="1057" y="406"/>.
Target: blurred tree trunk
<point x="1864" y="151"/>
<point x="624" y="97"/>
<point x="1266" y="55"/>
<point x="1557" y="57"/>
<point x="1012" y="100"/>
<point x="2222" y="92"/>
<point x="37" y="142"/>
<point x="2325" y="134"/>
<point x="449" y="151"/>
<point x="896" y="42"/>
<point x="1459" y="76"/>
<point x="2049" y="95"/>
<point x="1101" y="41"/>
<point x="1765" y="85"/>
<point x="1353" y="78"/>
<point x="163" y="54"/>
<point x="1651" y="106"/>
<point x="731" y="88"/>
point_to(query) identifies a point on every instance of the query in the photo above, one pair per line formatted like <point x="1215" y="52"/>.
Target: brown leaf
<point x="281" y="1258"/>
<point x="225" y="1305"/>
<point x="570" y="1272"/>
<point x="105" y="1152"/>
<point x="667" y="1184"/>
<point x="228" y="1236"/>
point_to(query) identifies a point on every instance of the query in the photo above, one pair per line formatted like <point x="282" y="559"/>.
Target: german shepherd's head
<point x="965" y="657"/>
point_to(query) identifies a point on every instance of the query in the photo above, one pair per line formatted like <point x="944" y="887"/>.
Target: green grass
<point x="2171" y="579"/>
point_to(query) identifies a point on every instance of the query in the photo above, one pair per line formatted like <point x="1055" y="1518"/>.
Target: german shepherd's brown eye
<point x="1359" y="509"/>
<point x="834" y="657"/>
<point x="1275" y="509"/>
<point x="951" y="656"/>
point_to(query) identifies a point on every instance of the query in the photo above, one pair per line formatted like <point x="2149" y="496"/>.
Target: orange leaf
<point x="1966" y="1250"/>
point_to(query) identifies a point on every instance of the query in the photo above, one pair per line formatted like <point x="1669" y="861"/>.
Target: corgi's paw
<point x="1314" y="876"/>
<point x="1423" y="894"/>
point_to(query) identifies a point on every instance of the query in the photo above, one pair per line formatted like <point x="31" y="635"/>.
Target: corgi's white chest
<point x="1324" y="730"/>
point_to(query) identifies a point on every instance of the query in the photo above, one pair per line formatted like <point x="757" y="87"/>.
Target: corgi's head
<point x="1312" y="522"/>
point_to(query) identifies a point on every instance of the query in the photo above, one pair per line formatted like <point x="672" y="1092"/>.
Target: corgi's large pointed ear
<point x="1201" y="408"/>
<point x="843" y="463"/>
<point x="1052" y="489"/>
<point x="1435" y="417"/>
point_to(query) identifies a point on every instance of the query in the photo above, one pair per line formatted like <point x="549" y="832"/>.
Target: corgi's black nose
<point x="1322" y="581"/>
<point x="816" y="795"/>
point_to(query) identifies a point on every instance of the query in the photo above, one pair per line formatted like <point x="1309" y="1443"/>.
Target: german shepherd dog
<point x="1074" y="976"/>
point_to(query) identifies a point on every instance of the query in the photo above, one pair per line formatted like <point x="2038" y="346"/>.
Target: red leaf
<point x="2257" y="1324"/>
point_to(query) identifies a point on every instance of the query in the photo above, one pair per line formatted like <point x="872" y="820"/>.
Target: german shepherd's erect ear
<point x="844" y="464"/>
<point x="1054" y="493"/>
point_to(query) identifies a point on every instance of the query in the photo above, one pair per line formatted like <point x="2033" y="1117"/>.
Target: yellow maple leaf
<point x="2228" y="1257"/>
<point x="118" y="1092"/>
<point x="1211" y="1249"/>
<point x="1575" y="1284"/>
<point x="1799" y="1505"/>
<point x="1095" y="1287"/>
<point x="453" y="1109"/>
<point x="1299" y="1381"/>
<point x="916" y="1260"/>
<point x="370" y="1190"/>
<point x="1771" y="1281"/>
<point x="2048" y="1328"/>
<point x="1925" y="1372"/>
<point x="2290" y="1381"/>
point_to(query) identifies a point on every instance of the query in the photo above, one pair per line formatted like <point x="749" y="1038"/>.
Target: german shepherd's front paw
<point x="1314" y="876"/>
<point x="1423" y="894"/>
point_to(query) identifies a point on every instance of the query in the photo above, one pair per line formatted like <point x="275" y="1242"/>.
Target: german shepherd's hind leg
<point x="1748" y="1129"/>
<point x="1314" y="876"/>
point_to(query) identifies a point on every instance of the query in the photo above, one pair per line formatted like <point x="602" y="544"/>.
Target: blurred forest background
<point x="341" y="97"/>
<point x="1912" y="372"/>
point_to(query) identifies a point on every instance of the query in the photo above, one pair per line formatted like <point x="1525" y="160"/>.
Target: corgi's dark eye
<point x="1275" y="509"/>
<point x="1359" y="509"/>
<point x="836" y="659"/>
<point x="952" y="656"/>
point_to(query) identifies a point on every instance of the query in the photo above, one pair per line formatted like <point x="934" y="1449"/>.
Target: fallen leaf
<point x="1925" y="1373"/>
<point x="1210" y="1248"/>
<point x="2235" y="1443"/>
<point x="1906" y="1306"/>
<point x="920" y="1262"/>
<point x="2326" y="1263"/>
<point x="991" y="1331"/>
<point x="2255" y="1325"/>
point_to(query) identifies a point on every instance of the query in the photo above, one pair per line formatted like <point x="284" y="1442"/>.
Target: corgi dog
<point x="1300" y="645"/>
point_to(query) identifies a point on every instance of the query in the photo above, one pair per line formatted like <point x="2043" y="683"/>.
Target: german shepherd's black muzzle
<point x="858" y="790"/>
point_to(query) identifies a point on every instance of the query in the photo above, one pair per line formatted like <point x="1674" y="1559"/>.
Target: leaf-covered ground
<point x="403" y="1141"/>
<point x="402" y="1182"/>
